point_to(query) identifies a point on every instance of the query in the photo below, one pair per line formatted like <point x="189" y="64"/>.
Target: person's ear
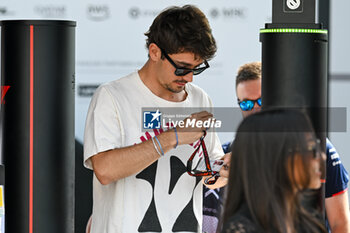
<point x="154" y="52"/>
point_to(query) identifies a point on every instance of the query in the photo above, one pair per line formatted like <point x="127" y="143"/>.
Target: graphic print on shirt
<point x="334" y="156"/>
<point x="186" y="220"/>
<point x="177" y="169"/>
<point x="150" y="221"/>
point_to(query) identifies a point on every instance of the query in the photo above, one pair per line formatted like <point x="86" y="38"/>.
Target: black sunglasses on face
<point x="182" y="71"/>
<point x="316" y="149"/>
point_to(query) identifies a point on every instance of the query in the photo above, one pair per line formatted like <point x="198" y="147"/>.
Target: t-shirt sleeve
<point x="102" y="127"/>
<point x="336" y="176"/>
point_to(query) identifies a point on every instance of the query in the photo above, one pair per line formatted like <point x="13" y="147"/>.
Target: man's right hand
<point x="187" y="135"/>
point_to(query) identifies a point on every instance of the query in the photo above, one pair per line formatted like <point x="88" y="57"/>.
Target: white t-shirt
<point x="161" y="198"/>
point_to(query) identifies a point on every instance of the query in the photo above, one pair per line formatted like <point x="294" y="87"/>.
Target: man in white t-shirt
<point x="140" y="182"/>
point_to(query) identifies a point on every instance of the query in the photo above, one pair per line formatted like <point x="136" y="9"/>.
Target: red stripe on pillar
<point x="31" y="107"/>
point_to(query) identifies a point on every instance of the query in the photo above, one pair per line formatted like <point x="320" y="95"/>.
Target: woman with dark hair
<point x="275" y="159"/>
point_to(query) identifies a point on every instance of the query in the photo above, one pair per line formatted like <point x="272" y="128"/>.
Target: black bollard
<point x="294" y="64"/>
<point x="38" y="67"/>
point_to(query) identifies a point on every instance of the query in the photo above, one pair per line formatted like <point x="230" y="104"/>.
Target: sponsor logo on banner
<point x="87" y="90"/>
<point x="152" y="119"/>
<point x="98" y="12"/>
<point x="293" y="6"/>
<point x="227" y="13"/>
<point x="50" y="11"/>
<point x="136" y="13"/>
<point x="5" y="12"/>
<point x="214" y="13"/>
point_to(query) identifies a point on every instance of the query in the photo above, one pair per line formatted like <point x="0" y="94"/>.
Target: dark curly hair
<point x="182" y="29"/>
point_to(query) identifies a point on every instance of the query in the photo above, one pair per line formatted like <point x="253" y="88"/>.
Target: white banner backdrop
<point x="339" y="38"/>
<point x="110" y="41"/>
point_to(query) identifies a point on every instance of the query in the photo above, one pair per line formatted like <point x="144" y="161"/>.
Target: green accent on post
<point x="294" y="30"/>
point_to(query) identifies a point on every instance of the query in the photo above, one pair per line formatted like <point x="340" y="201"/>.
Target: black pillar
<point x="324" y="11"/>
<point x="38" y="66"/>
<point x="295" y="62"/>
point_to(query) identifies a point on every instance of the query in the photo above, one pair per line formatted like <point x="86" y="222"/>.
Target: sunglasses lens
<point x="246" y="105"/>
<point x="259" y="101"/>
<point x="182" y="72"/>
<point x="198" y="71"/>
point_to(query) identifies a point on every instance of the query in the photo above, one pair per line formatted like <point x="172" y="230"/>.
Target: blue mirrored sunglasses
<point x="247" y="105"/>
